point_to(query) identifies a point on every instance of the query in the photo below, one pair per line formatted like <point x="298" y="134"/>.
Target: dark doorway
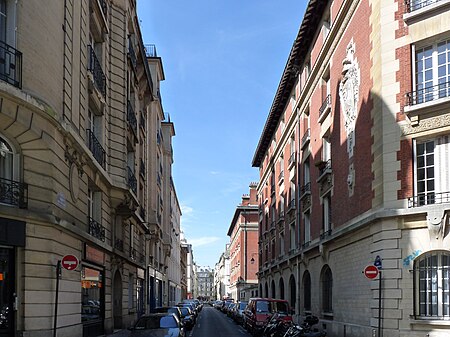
<point x="117" y="301"/>
<point x="7" y="292"/>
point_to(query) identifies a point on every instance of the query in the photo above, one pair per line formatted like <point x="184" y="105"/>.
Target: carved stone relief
<point x="349" y="95"/>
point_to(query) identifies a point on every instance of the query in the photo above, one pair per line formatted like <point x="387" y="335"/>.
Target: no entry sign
<point x="69" y="262"/>
<point x="371" y="271"/>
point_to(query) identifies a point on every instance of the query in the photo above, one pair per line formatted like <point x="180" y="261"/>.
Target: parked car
<point x="157" y="325"/>
<point x="171" y="310"/>
<point x="230" y="309"/>
<point x="239" y="311"/>
<point x="259" y="310"/>
<point x="187" y="317"/>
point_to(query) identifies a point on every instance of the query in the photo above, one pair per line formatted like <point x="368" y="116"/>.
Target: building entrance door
<point x="7" y="292"/>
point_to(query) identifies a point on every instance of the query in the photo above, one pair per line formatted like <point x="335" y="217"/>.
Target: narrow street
<point x="212" y="322"/>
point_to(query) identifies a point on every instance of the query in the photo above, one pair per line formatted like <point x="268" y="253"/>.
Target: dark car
<point x="158" y="325"/>
<point x="187" y="318"/>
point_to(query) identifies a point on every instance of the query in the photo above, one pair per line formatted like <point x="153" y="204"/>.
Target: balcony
<point x="95" y="68"/>
<point x="131" y="180"/>
<point x="281" y="177"/>
<point x="429" y="99"/>
<point x="142" y="169"/>
<point x="306" y="244"/>
<point x="325" y="108"/>
<point x="291" y="205"/>
<point x="150" y="50"/>
<point x="430" y="198"/>
<point x="305" y="197"/>
<point x="96" y="230"/>
<point x="13" y="193"/>
<point x="104" y="7"/>
<point x="96" y="148"/>
<point x="325" y="234"/>
<point x="131" y="118"/>
<point x="132" y="54"/>
<point x="292" y="159"/>
<point x="414" y="5"/>
<point x="306" y="138"/>
<point x="325" y="177"/>
<point x="10" y="65"/>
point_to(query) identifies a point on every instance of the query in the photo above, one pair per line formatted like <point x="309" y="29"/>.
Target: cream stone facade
<point x="353" y="165"/>
<point x="85" y="170"/>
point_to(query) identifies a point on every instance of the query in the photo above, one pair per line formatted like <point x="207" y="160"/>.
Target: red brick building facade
<point x="353" y="163"/>
<point x="243" y="233"/>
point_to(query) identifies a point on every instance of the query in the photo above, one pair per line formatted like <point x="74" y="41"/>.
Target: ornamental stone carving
<point x="349" y="95"/>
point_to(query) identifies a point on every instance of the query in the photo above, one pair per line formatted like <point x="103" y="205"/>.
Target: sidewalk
<point x="120" y="333"/>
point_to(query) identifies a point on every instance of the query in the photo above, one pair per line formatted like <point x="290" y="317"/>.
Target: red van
<point x="259" y="310"/>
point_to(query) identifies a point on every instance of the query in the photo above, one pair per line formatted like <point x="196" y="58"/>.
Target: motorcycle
<point x="276" y="326"/>
<point x="305" y="329"/>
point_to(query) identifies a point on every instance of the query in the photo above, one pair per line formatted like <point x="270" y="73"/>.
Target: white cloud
<point x="203" y="241"/>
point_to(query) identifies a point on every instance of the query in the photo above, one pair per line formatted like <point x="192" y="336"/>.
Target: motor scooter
<point x="305" y="329"/>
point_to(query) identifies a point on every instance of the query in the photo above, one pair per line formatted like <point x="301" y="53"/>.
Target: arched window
<point x="260" y="290"/>
<point x="281" y="288"/>
<point x="307" y="291"/>
<point x="293" y="292"/>
<point x="266" y="290"/>
<point x="6" y="160"/>
<point x="12" y="192"/>
<point x="272" y="288"/>
<point x="327" y="290"/>
<point x="432" y="285"/>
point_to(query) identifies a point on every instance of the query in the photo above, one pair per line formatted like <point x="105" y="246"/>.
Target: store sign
<point x="95" y="255"/>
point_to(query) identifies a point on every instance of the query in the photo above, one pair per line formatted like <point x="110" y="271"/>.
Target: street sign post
<point x="372" y="271"/>
<point x="69" y="262"/>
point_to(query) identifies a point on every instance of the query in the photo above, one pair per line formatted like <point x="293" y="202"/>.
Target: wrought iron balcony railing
<point x="150" y="50"/>
<point x="13" y="193"/>
<point x="305" y="189"/>
<point x="281" y="177"/>
<point x="306" y="137"/>
<point x="104" y="7"/>
<point x="95" y="68"/>
<point x="325" y="234"/>
<point x="429" y="198"/>
<point x="291" y="204"/>
<point x="132" y="53"/>
<point x="96" y="230"/>
<point x="142" y="168"/>
<point x="96" y="148"/>
<point x="325" y="105"/>
<point x="414" y="5"/>
<point x="428" y="94"/>
<point x="10" y="65"/>
<point x="131" y="180"/>
<point x="292" y="159"/>
<point x="131" y="118"/>
<point x="325" y="168"/>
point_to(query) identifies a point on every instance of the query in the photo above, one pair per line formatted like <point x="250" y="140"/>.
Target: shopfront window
<point x="91" y="294"/>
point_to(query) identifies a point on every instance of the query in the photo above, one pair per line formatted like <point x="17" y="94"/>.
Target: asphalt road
<point x="213" y="323"/>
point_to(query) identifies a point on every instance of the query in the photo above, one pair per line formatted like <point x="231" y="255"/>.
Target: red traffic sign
<point x="371" y="271"/>
<point x="69" y="262"/>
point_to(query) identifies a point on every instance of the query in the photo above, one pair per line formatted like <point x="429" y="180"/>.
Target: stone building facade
<point x="353" y="170"/>
<point x="243" y="233"/>
<point x="82" y="169"/>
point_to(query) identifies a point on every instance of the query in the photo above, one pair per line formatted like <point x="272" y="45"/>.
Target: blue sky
<point x="222" y="62"/>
